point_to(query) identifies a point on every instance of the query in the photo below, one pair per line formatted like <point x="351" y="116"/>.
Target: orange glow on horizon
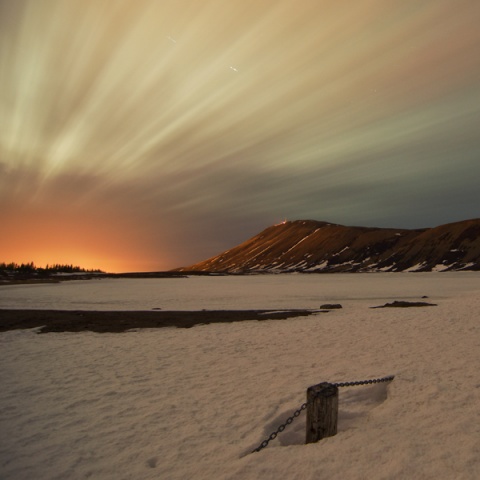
<point x="80" y="240"/>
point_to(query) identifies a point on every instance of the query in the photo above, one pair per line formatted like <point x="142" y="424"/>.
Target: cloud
<point x="365" y="114"/>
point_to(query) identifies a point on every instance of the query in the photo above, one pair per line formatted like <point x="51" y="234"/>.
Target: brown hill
<point x="312" y="246"/>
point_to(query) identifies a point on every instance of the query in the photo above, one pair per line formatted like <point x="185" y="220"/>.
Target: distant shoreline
<point x="122" y="321"/>
<point x="33" y="278"/>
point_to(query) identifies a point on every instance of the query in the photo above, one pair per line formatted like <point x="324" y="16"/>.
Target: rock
<point x="330" y="306"/>
<point x="403" y="304"/>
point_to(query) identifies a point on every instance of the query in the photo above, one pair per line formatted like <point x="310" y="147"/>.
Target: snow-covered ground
<point x="182" y="404"/>
<point x="235" y="292"/>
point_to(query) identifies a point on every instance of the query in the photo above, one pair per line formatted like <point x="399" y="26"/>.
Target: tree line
<point x="30" y="267"/>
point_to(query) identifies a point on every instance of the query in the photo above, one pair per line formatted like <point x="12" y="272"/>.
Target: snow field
<point x="176" y="404"/>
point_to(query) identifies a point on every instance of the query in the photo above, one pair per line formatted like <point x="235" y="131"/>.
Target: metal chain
<point x="289" y="420"/>
<point x="281" y="428"/>
<point x="364" y="382"/>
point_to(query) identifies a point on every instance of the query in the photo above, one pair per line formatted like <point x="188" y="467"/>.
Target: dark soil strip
<point x="402" y="304"/>
<point x="120" y="321"/>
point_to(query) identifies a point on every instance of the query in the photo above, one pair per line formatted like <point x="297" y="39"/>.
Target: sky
<point x="152" y="134"/>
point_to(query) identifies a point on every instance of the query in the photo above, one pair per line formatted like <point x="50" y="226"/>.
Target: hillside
<point x="313" y="246"/>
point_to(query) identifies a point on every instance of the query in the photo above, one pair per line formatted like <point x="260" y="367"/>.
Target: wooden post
<point x="322" y="411"/>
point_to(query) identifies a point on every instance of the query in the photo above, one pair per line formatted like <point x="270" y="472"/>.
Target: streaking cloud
<point x="207" y="121"/>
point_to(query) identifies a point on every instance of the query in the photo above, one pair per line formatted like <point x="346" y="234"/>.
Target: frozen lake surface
<point x="236" y="292"/>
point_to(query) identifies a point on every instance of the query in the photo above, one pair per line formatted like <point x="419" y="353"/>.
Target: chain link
<point x="281" y="428"/>
<point x="289" y="420"/>
<point x="364" y="382"/>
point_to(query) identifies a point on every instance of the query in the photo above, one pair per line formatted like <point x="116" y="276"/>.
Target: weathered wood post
<point x="322" y="411"/>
